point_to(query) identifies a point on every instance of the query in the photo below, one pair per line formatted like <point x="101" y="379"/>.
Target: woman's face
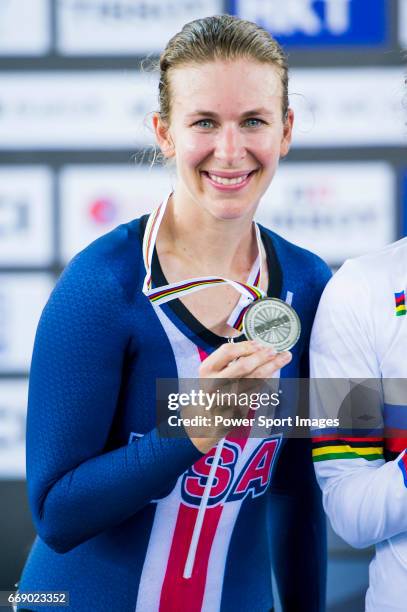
<point x="226" y="133"/>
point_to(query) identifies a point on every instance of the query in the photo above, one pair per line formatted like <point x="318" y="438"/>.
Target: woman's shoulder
<point x="115" y="256"/>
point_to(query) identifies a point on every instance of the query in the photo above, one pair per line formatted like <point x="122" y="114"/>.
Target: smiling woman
<point x="128" y="519"/>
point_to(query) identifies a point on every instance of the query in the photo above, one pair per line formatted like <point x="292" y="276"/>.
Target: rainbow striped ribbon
<point x="249" y="291"/>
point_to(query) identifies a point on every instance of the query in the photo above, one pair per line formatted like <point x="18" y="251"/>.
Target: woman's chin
<point x="227" y="210"/>
<point x="228" y="214"/>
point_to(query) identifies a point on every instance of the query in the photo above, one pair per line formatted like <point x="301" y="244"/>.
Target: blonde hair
<point x="220" y="37"/>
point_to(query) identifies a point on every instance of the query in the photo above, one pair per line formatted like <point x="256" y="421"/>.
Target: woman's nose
<point x="230" y="146"/>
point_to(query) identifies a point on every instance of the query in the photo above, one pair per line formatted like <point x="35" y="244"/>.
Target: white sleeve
<point x="364" y="497"/>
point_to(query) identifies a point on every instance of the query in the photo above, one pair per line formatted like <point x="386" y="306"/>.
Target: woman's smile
<point x="233" y="181"/>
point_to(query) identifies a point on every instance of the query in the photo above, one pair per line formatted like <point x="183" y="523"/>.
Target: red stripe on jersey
<point x="177" y="592"/>
<point x="202" y="354"/>
<point x="347" y="439"/>
<point x="395" y="444"/>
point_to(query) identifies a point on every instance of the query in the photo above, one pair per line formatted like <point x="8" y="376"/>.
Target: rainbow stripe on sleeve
<point x="400" y="299"/>
<point x="333" y="447"/>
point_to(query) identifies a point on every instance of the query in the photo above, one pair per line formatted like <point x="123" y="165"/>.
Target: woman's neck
<point x="220" y="246"/>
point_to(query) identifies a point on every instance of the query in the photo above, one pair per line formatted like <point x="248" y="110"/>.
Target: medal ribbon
<point x="249" y="291"/>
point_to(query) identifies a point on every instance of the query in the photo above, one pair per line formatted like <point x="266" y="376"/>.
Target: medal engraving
<point x="272" y="322"/>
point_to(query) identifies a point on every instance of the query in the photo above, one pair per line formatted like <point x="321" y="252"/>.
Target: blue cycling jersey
<point x="114" y="504"/>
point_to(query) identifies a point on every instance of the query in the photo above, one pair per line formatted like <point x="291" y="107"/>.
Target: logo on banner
<point x="324" y="208"/>
<point x="317" y="22"/>
<point x="229" y="485"/>
<point x="103" y="211"/>
<point x="123" y="10"/>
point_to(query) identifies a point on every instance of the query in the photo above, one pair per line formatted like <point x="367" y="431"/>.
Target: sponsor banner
<point x="93" y="27"/>
<point x="25" y="216"/>
<point x="337" y="107"/>
<point x="22" y="298"/>
<point x="319" y="23"/>
<point x="76" y="110"/>
<point x="95" y="199"/>
<point x="337" y="210"/>
<point x="13" y="409"/>
<point x="402" y="21"/>
<point x="112" y="109"/>
<point x="24" y="27"/>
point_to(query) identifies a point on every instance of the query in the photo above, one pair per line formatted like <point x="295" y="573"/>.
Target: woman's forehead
<point x="246" y="83"/>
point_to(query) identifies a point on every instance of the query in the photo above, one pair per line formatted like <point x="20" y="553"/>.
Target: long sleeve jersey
<point x="113" y="502"/>
<point x="360" y="334"/>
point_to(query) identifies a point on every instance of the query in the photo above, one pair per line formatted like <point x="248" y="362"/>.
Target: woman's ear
<point x="163" y="136"/>
<point x="287" y="133"/>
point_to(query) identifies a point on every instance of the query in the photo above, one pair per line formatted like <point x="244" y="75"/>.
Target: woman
<point x="115" y="505"/>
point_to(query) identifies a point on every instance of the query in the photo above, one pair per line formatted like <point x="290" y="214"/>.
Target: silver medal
<point x="272" y="322"/>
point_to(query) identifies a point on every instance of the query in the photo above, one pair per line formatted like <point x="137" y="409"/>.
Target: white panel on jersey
<point x="348" y="107"/>
<point x="402" y="21"/>
<point x="22" y="298"/>
<point x="95" y="199"/>
<point x="25" y="216"/>
<point x="13" y="408"/>
<point x="24" y="27"/>
<point x="88" y="109"/>
<point x="337" y="210"/>
<point x="93" y="27"/>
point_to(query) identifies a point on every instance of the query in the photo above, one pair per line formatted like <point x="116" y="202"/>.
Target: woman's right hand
<point x="230" y="363"/>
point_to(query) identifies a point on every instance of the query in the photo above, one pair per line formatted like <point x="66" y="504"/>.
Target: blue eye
<point x="256" y="123"/>
<point x="201" y="123"/>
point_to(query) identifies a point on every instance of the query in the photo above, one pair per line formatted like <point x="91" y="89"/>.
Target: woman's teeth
<point x="225" y="181"/>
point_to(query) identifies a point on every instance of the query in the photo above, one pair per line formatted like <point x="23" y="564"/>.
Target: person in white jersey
<point x="360" y="332"/>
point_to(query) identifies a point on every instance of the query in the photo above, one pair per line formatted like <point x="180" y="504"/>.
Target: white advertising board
<point x="24" y="27"/>
<point x="13" y="411"/>
<point x="93" y="27"/>
<point x="112" y="109"/>
<point x="25" y="216"/>
<point x="77" y="110"/>
<point x="22" y="298"/>
<point x="337" y="210"/>
<point x="95" y="199"/>
<point x="342" y="107"/>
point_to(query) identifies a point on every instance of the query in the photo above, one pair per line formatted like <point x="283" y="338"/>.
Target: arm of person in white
<point x="364" y="497"/>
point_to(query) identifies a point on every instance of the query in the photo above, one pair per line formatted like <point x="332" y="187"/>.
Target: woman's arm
<point x="77" y="490"/>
